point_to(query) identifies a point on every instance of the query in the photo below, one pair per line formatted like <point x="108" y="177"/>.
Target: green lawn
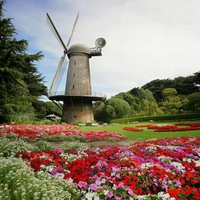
<point x="146" y="133"/>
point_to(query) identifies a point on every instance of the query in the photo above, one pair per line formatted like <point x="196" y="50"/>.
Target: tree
<point x="20" y="82"/>
<point x="172" y="103"/>
<point x="168" y="93"/>
<point x="113" y="108"/>
<point x="185" y="85"/>
<point x="121" y="107"/>
<point x="42" y="109"/>
<point x="193" y="102"/>
<point x="157" y="86"/>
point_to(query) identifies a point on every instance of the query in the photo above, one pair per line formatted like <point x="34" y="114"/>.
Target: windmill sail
<point x="73" y="30"/>
<point x="60" y="75"/>
<point x="56" y="74"/>
<point x="55" y="32"/>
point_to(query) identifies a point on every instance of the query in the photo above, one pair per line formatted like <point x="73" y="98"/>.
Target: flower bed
<point x="174" y="128"/>
<point x="166" y="128"/>
<point x="132" y="129"/>
<point x="39" y="131"/>
<point x="166" y="168"/>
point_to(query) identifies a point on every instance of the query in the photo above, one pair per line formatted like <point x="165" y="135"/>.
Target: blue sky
<point x="146" y="39"/>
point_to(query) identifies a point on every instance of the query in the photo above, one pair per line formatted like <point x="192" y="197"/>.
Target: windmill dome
<point x="78" y="48"/>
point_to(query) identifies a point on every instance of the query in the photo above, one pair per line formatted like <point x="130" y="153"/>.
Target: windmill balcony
<point x="59" y="95"/>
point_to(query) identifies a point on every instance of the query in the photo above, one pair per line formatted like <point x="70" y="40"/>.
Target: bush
<point x="43" y="146"/>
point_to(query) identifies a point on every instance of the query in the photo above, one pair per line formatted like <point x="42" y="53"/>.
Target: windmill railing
<point x="96" y="94"/>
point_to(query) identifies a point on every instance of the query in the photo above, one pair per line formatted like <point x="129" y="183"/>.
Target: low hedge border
<point x="193" y="116"/>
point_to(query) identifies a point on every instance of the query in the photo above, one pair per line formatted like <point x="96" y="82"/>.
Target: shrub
<point x="43" y="146"/>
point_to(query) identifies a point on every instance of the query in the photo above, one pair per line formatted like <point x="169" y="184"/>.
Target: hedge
<point x="179" y="117"/>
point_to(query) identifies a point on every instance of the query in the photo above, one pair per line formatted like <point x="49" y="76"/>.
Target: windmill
<point x="77" y="98"/>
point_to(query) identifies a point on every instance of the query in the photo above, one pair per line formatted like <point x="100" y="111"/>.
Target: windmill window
<point x="75" y="63"/>
<point x="73" y="87"/>
<point x="74" y="74"/>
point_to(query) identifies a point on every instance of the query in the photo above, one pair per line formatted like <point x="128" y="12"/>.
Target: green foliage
<point x="75" y="145"/>
<point x="113" y="108"/>
<point x="57" y="138"/>
<point x="183" y="85"/>
<point x="20" y="82"/>
<point x="43" y="146"/>
<point x="141" y="101"/>
<point x="54" y="138"/>
<point x="157" y="86"/>
<point x="73" y="138"/>
<point x="193" y="102"/>
<point x="171" y="103"/>
<point x="158" y="118"/>
<point x="168" y="93"/>
<point x="117" y="108"/>
<point x="42" y="109"/>
<point x="52" y="108"/>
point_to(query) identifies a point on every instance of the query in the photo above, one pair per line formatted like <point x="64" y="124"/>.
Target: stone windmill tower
<point x="77" y="99"/>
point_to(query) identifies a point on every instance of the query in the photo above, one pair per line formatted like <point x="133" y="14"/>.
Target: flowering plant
<point x="165" y="168"/>
<point x="60" y="131"/>
<point x="166" y="128"/>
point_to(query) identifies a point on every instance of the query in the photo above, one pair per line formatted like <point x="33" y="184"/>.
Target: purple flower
<point x="94" y="187"/>
<point x="54" y="172"/>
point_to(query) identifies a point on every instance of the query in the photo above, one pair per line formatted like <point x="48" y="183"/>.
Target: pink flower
<point x="82" y="184"/>
<point x="130" y="191"/>
<point x="110" y="194"/>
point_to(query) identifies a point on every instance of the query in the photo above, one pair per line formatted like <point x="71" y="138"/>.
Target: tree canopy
<point x="183" y="85"/>
<point x="20" y="82"/>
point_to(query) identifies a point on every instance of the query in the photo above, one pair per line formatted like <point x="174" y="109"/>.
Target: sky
<point x="145" y="39"/>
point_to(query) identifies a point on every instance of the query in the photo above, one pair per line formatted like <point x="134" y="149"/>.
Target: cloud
<point x="146" y="40"/>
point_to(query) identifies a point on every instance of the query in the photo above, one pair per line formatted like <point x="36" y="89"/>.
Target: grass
<point x="146" y="133"/>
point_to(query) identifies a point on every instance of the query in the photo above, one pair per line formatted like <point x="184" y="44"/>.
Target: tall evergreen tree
<point x="20" y="82"/>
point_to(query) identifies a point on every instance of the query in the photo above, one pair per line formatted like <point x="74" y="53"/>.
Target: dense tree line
<point x="183" y="85"/>
<point x="158" y="97"/>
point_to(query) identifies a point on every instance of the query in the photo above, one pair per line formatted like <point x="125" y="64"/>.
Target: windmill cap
<point x="78" y="48"/>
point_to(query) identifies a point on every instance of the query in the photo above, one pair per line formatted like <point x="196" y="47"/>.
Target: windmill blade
<point x="55" y="32"/>
<point x="57" y="73"/>
<point x="73" y="30"/>
<point x="60" y="75"/>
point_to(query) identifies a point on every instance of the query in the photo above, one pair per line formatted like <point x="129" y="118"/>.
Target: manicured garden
<point x="54" y="162"/>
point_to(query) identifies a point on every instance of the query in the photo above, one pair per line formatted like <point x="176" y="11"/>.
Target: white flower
<point x="197" y="163"/>
<point x="179" y="166"/>
<point x="165" y="196"/>
<point x="146" y="165"/>
<point x="91" y="196"/>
